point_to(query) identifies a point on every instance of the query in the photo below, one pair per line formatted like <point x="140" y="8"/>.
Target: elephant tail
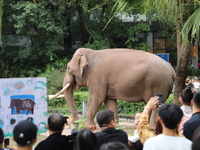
<point x="173" y="72"/>
<point x="173" y="76"/>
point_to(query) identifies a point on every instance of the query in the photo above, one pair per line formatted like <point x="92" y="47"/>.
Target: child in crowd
<point x="185" y="99"/>
<point x="134" y="141"/>
<point x="25" y="135"/>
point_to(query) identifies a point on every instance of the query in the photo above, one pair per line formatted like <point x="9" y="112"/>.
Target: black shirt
<point x="191" y="125"/>
<point x="111" y="135"/>
<point x="57" y="141"/>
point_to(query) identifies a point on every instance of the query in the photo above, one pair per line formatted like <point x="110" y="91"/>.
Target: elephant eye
<point x="68" y="68"/>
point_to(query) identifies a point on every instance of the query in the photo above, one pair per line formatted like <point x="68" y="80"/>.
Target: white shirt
<point x="196" y="85"/>
<point x="187" y="110"/>
<point x="164" y="142"/>
<point x="135" y="137"/>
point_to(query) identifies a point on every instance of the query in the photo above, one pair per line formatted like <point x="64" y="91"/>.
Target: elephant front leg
<point x="18" y="110"/>
<point x="90" y="114"/>
<point x="12" y="110"/>
<point x="94" y="102"/>
<point x="111" y="104"/>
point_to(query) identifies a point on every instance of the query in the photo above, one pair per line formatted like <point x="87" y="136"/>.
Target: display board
<point x="20" y="99"/>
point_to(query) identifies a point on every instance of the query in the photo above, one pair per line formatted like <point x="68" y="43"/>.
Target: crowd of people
<point x="175" y="128"/>
<point x="194" y="82"/>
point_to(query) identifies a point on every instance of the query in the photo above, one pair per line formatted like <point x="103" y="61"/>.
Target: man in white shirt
<point x="169" y="117"/>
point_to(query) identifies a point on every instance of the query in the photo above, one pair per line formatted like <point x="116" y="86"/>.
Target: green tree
<point x="133" y="41"/>
<point x="51" y="29"/>
<point x="183" y="15"/>
<point x="41" y="26"/>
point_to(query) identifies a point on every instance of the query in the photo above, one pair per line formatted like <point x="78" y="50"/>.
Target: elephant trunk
<point x="70" y="101"/>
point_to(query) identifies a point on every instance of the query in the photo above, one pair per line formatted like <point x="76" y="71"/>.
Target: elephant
<point x="111" y="74"/>
<point x="25" y="104"/>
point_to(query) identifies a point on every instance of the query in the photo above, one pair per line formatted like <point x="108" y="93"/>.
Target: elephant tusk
<point x="58" y="94"/>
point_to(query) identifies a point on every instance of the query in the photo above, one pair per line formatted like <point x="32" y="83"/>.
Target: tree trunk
<point x="183" y="51"/>
<point x="81" y="22"/>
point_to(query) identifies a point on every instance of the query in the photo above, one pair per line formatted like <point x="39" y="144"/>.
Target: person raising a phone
<point x="166" y="130"/>
<point x="4" y="142"/>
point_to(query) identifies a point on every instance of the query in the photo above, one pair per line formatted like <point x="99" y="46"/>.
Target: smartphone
<point x="6" y="142"/>
<point x="160" y="98"/>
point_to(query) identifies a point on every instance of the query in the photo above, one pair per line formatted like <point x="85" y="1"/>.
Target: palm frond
<point x="164" y="10"/>
<point x="191" y="26"/>
<point x="123" y="6"/>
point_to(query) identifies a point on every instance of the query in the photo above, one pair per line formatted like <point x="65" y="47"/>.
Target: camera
<point x="6" y="142"/>
<point x="65" y="118"/>
<point x="160" y="98"/>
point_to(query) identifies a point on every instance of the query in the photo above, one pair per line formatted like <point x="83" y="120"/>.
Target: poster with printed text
<point x="20" y="99"/>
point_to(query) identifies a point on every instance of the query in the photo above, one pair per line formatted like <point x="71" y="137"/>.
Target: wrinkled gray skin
<point x="130" y="75"/>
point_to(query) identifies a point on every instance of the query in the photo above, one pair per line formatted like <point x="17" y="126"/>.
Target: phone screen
<point x="160" y="98"/>
<point x="6" y="142"/>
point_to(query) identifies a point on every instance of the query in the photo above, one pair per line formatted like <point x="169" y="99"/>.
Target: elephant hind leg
<point x="12" y="110"/>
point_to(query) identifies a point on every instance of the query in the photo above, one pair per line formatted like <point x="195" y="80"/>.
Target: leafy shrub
<point x="123" y="106"/>
<point x="57" y="103"/>
<point x="193" y="72"/>
<point x="79" y="97"/>
<point x="170" y="99"/>
<point x="129" y="108"/>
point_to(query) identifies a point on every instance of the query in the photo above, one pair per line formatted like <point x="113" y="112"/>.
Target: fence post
<point x="84" y="105"/>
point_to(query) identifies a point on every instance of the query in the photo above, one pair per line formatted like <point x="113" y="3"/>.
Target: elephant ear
<point x="82" y="62"/>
